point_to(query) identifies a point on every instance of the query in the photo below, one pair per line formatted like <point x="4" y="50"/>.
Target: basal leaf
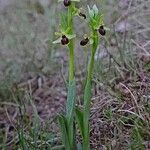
<point x="86" y="112"/>
<point x="63" y="126"/>
<point x="71" y="100"/>
<point x="79" y="119"/>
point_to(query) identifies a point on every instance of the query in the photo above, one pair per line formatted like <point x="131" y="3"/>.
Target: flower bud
<point x="64" y="40"/>
<point x="102" y="30"/>
<point x="67" y="3"/>
<point x="82" y="15"/>
<point x="84" y="42"/>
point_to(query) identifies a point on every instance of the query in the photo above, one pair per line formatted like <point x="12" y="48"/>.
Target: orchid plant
<point x="67" y="38"/>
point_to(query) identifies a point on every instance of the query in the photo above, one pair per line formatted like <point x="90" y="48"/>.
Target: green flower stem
<point x="71" y="60"/>
<point x="88" y="92"/>
<point x="71" y="44"/>
<point x="71" y="123"/>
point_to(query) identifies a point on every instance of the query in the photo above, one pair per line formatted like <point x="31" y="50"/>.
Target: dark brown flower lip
<point x="101" y="30"/>
<point x="64" y="40"/>
<point x="67" y="3"/>
<point x="84" y="41"/>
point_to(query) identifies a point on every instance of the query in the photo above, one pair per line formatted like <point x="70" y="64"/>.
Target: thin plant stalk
<point x="71" y="45"/>
<point x="88" y="92"/>
<point x="67" y="123"/>
<point x="70" y="117"/>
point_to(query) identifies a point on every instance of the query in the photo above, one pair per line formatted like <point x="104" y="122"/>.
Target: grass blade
<point x="63" y="126"/>
<point x="79" y="119"/>
<point x="22" y="140"/>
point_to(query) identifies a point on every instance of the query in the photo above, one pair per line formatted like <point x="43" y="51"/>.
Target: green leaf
<point x="63" y="126"/>
<point x="87" y="98"/>
<point x="70" y="106"/>
<point x="86" y="113"/>
<point x="79" y="119"/>
<point x="71" y="100"/>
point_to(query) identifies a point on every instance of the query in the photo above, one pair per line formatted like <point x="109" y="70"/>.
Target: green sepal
<point x="91" y="41"/>
<point x="107" y="29"/>
<point x="70" y="36"/>
<point x="57" y="41"/>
